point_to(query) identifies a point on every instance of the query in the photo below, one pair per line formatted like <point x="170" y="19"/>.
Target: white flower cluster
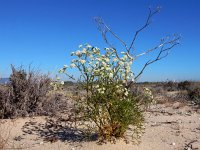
<point x="148" y="92"/>
<point x="100" y="90"/>
<point x="57" y="84"/>
<point x="121" y="90"/>
<point x="107" y="65"/>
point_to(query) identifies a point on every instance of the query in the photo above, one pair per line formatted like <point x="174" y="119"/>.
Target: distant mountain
<point x="4" y="80"/>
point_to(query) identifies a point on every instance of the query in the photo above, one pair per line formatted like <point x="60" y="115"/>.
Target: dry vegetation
<point x="29" y="94"/>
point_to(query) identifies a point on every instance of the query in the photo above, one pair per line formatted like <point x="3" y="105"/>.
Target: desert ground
<point x="170" y="125"/>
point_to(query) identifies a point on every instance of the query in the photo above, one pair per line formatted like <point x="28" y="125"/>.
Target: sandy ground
<point x="168" y="127"/>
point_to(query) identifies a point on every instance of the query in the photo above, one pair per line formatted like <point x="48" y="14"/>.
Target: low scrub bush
<point x="171" y="86"/>
<point x="195" y="96"/>
<point x="26" y="94"/>
<point x="185" y="85"/>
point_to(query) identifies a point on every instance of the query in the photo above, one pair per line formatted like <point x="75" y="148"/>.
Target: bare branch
<point x="147" y="23"/>
<point x="103" y="28"/>
<point x="163" y="42"/>
<point x="165" y="48"/>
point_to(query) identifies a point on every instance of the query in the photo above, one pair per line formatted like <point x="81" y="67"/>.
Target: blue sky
<point x="44" y="32"/>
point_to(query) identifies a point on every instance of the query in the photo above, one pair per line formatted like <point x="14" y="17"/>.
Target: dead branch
<point x="103" y="28"/>
<point x="164" y="46"/>
<point x="147" y="23"/>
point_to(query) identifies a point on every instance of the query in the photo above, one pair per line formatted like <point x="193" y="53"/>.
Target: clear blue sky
<point x="44" y="32"/>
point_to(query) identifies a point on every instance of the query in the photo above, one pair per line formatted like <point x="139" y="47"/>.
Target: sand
<point x="168" y="127"/>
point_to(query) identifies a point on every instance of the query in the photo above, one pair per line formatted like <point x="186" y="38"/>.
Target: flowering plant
<point x="108" y="101"/>
<point x="107" y="78"/>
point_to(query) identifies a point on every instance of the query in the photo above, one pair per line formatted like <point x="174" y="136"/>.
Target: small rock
<point x="198" y="111"/>
<point x="173" y="144"/>
<point x="41" y="143"/>
<point x="18" y="138"/>
<point x="176" y="105"/>
<point x="188" y="114"/>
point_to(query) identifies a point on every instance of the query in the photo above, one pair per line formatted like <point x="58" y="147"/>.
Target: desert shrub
<point x="171" y="86"/>
<point x="185" y="85"/>
<point x="54" y="104"/>
<point x="26" y="94"/>
<point x="107" y="101"/>
<point x="195" y="96"/>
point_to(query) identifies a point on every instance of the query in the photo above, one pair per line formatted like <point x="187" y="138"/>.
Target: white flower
<point x="78" y="53"/>
<point x="103" y="63"/>
<point x="107" y="68"/>
<point x="72" y="53"/>
<point x="84" y="51"/>
<point x="89" y="69"/>
<point x="98" y="59"/>
<point x="96" y="50"/>
<point x="132" y="75"/>
<point x="73" y="60"/>
<point x="124" y="81"/>
<point x="115" y="59"/>
<point x="121" y="63"/>
<point x="107" y="59"/>
<point x="65" y="66"/>
<point x="126" y="93"/>
<point x="125" y="57"/>
<point x="130" y="63"/>
<point x="91" y="57"/>
<point x="102" y="92"/>
<point x="72" y="65"/>
<point x="88" y="46"/>
<point x="82" y="61"/>
<point x="80" y="46"/>
<point x="97" y="63"/>
<point x="111" y="75"/>
<point x="61" y="70"/>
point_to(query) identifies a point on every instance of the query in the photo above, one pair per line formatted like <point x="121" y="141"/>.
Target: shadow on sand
<point x="58" y="130"/>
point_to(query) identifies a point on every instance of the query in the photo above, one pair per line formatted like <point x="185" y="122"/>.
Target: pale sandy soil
<point x="168" y="127"/>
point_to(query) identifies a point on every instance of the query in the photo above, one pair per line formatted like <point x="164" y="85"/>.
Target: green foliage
<point x="112" y="111"/>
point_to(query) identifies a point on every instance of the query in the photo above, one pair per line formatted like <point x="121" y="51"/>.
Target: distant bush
<point x="185" y="85"/>
<point x="171" y="86"/>
<point x="195" y="96"/>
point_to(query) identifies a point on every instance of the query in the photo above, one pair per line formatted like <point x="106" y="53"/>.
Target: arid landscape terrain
<point x="99" y="75"/>
<point x="172" y="123"/>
